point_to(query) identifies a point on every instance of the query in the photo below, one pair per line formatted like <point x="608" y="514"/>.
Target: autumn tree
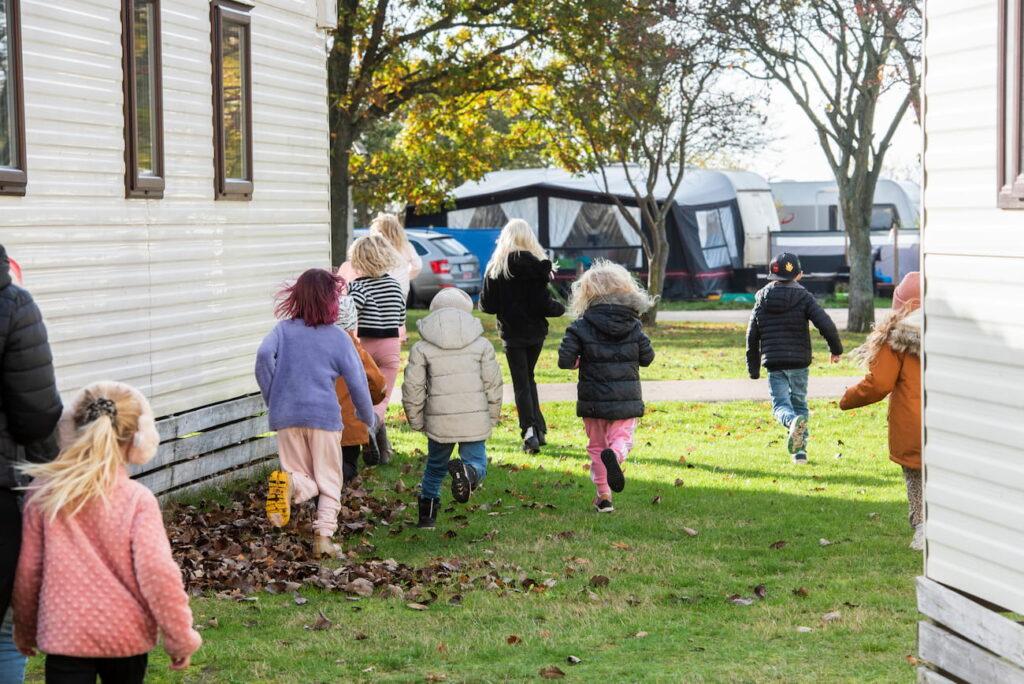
<point x="645" y="96"/>
<point x="387" y="54"/>
<point x="837" y="58"/>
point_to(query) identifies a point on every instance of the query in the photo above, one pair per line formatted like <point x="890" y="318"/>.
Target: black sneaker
<point x="464" y="479"/>
<point x="800" y="458"/>
<point x="428" y="513"/>
<point x="616" y="480"/>
<point x="542" y="438"/>
<point x="371" y="454"/>
<point x="604" y="506"/>
<point x="531" y="444"/>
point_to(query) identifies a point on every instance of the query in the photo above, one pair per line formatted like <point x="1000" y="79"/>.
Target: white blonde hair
<point x="516" y="236"/>
<point x="372" y="255"/>
<point x="106" y="426"/>
<point x="608" y="282"/>
<point x="391" y="229"/>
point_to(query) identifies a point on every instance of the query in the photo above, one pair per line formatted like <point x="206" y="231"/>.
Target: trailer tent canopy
<point x="576" y="219"/>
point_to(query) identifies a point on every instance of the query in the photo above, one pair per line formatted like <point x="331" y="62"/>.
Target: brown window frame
<point x="223" y="11"/>
<point x="137" y="185"/>
<point x="1010" y="190"/>
<point x="14" y="179"/>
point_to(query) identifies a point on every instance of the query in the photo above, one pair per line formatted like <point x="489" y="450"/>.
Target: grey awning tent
<point x="576" y="219"/>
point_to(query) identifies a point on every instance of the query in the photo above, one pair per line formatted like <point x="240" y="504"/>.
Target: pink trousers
<point x="387" y="354"/>
<point x="616" y="435"/>
<point x="313" y="458"/>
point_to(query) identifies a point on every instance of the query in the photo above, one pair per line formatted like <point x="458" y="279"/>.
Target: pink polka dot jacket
<point x="100" y="584"/>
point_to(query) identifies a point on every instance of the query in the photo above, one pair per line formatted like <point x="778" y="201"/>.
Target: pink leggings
<point x="616" y="435"/>
<point x="386" y="352"/>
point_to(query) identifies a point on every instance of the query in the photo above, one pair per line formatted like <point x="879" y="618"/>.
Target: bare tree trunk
<point x="657" y="263"/>
<point x="857" y="206"/>
<point x="340" y="182"/>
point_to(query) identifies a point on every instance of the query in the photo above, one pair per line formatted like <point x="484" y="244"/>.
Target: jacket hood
<point x="450" y="329"/>
<point x="614" y="320"/>
<point x="526" y="265"/>
<point x="780" y="297"/>
<point x="5" y="269"/>
<point x="905" y="337"/>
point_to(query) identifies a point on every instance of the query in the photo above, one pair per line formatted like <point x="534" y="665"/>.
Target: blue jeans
<point x="12" y="663"/>
<point x="438" y="455"/>
<point x="789" y="394"/>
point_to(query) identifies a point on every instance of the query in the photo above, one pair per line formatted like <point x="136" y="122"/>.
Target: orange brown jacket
<point x="355" y="432"/>
<point x="893" y="357"/>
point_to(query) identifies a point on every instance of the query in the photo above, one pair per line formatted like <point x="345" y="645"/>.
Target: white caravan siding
<point x="171" y="295"/>
<point x="974" y="305"/>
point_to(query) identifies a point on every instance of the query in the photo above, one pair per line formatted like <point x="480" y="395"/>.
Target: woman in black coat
<point x="516" y="291"/>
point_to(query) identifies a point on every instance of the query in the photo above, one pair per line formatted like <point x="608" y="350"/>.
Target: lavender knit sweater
<point x="296" y="367"/>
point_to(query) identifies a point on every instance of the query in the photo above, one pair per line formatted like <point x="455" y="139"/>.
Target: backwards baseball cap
<point x="785" y="266"/>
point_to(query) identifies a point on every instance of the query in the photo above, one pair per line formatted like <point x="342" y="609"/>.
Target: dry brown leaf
<point x="679" y="482"/>
<point x="656" y="500"/>
<point x="802" y="592"/>
<point x="415" y="606"/>
<point x="551" y="672"/>
<point x="513" y="640"/>
<point x="321" y="623"/>
<point x="599" y="581"/>
<point x="690" y="532"/>
<point x="781" y="544"/>
<point x="761" y="591"/>
<point x="833" y="616"/>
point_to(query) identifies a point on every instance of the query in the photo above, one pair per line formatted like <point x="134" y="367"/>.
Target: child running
<point x="381" y="305"/>
<point x="296" y="368"/>
<point x="96" y="580"/>
<point x="452" y="392"/>
<point x="778" y="338"/>
<point x="355" y="435"/>
<point x="607" y="343"/>
<point x="892" y="355"/>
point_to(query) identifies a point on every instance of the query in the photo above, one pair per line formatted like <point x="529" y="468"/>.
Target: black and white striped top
<point x="381" y="305"/>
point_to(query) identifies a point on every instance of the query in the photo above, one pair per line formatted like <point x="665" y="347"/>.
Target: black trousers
<point x="521" y="362"/>
<point x="10" y="545"/>
<point x="70" y="670"/>
<point x="349" y="462"/>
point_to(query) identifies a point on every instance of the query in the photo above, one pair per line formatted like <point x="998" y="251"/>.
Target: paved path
<point x="690" y="390"/>
<point x="840" y="316"/>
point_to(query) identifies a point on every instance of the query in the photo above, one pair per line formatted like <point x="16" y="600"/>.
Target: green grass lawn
<point x="837" y="301"/>
<point x="718" y="469"/>
<point x="685" y="351"/>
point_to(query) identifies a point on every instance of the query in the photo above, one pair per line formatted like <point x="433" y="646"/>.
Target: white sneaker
<point x="918" y="543"/>
<point x="798" y="434"/>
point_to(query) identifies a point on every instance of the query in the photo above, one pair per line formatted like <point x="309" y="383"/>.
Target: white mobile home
<point x="973" y="254"/>
<point x="163" y="168"/>
<point x="811" y="225"/>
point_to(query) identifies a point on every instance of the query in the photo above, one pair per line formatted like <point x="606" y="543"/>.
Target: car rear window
<point x="420" y="249"/>
<point x="450" y="246"/>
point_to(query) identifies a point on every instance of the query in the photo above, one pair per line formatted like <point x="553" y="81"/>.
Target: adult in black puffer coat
<point x="777" y="335"/>
<point x="29" y="409"/>
<point x="516" y="291"/>
<point x="610" y="346"/>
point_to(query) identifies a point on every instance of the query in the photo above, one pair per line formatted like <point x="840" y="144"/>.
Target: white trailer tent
<point x="973" y="254"/>
<point x="718" y="227"/>
<point x="811" y="225"/>
<point x="169" y="171"/>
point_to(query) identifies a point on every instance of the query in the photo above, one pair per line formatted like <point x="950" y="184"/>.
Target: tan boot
<point x="279" y="498"/>
<point x="324" y="547"/>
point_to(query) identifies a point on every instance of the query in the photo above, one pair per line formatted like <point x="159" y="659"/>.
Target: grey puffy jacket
<point x="452" y="387"/>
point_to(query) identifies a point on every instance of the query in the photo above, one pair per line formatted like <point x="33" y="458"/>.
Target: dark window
<point x="13" y="176"/>
<point x="143" y="99"/>
<point x="1010" y="112"/>
<point x="232" y="99"/>
<point x="420" y="249"/>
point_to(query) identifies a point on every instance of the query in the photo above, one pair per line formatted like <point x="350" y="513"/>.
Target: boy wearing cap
<point x="778" y="338"/>
<point x="452" y="392"/>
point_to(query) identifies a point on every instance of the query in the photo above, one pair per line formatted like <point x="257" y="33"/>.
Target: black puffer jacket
<point x="29" y="403"/>
<point x="777" y="335"/>
<point x="610" y="345"/>
<point x="522" y="303"/>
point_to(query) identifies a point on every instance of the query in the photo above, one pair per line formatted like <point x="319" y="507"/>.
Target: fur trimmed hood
<point x="900" y="331"/>
<point x="637" y="301"/>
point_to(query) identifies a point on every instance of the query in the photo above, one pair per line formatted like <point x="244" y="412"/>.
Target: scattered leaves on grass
<point x="436" y="677"/>
<point x="824" y="542"/>
<point x="801" y="592"/>
<point x="360" y="586"/>
<point x="415" y="606"/>
<point x="599" y="581"/>
<point x="690" y="532"/>
<point x="833" y="616"/>
<point x="804" y="630"/>
<point x="781" y="544"/>
<point x="300" y="600"/>
<point x="321" y="623"/>
<point x="360" y="636"/>
<point x="513" y="640"/>
<point x="761" y="591"/>
<point x="872" y="516"/>
<point x="621" y="546"/>
<point x="679" y="482"/>
<point x="573" y="660"/>
<point x="455" y="600"/>
<point x="913" y="660"/>
<point x="551" y="672"/>
<point x="656" y="500"/>
<point x="640" y="635"/>
<point x="738" y="600"/>
<point x="442" y="647"/>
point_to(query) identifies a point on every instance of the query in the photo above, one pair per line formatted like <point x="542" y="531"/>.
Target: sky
<point x="795" y="153"/>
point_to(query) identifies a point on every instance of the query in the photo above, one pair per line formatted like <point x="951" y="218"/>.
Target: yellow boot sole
<point x="279" y="498"/>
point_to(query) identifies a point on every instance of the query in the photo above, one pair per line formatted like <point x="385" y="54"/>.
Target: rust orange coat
<point x="355" y="432"/>
<point x="895" y="371"/>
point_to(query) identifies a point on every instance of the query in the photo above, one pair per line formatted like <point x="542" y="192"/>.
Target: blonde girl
<point x="95" y="579"/>
<point x="409" y="262"/>
<point x="380" y="304"/>
<point x="516" y="291"/>
<point x="607" y="344"/>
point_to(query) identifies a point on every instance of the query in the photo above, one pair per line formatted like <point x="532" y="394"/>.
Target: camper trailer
<point x="972" y="590"/>
<point x="718" y="225"/>
<point x="163" y="169"/>
<point x="811" y="225"/>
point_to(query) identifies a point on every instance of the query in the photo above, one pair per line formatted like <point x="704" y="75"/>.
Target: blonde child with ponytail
<point x="95" y="579"/>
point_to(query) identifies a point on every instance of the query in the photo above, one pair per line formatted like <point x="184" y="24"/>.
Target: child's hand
<point x="576" y="366"/>
<point x="836" y="358"/>
<point x="27" y="651"/>
<point x="181" y="663"/>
